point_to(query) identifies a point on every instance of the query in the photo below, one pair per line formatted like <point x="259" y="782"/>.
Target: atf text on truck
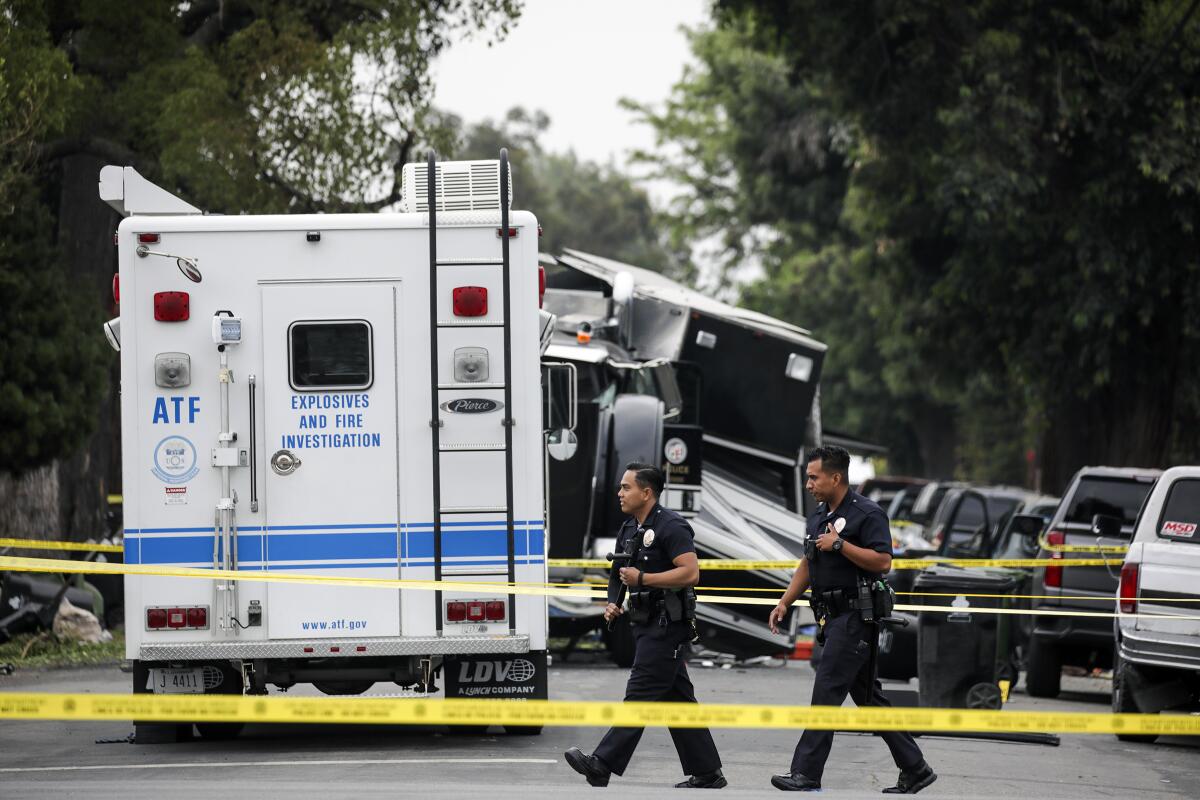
<point x="353" y="395"/>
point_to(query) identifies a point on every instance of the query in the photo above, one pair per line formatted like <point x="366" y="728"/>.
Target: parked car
<point x="883" y="489"/>
<point x="1156" y="660"/>
<point x="1081" y="641"/>
<point x="970" y="519"/>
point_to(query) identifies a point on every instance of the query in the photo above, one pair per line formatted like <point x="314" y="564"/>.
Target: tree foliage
<point x="990" y="208"/>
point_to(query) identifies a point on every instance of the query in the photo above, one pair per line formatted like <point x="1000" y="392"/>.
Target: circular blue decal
<point x="175" y="460"/>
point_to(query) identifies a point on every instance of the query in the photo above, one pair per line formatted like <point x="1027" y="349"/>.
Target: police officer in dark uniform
<point x="848" y="549"/>
<point x="657" y="566"/>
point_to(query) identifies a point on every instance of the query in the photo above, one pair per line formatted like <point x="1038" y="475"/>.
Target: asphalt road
<point x="58" y="759"/>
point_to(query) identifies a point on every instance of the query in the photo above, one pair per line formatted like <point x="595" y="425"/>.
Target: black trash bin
<point x="963" y="655"/>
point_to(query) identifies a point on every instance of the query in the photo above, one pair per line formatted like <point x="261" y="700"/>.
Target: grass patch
<point x="45" y="651"/>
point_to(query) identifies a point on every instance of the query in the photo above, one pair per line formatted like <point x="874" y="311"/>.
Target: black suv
<point x="1082" y="641"/>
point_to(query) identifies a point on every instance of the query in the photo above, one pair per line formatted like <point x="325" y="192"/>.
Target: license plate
<point x="176" y="681"/>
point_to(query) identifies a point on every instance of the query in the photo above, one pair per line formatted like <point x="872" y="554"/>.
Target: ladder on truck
<point x="435" y="423"/>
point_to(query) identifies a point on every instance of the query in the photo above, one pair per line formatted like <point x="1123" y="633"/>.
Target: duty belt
<point x="835" y="602"/>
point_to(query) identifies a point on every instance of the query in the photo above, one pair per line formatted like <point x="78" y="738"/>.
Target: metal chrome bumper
<point x="1175" y="652"/>
<point x="333" y="648"/>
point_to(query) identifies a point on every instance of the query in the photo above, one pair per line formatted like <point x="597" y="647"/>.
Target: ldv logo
<point x="518" y="670"/>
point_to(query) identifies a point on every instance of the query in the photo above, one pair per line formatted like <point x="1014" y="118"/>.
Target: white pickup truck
<point x="1157" y="658"/>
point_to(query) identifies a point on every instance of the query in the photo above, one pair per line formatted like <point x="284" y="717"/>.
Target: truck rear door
<point x="331" y="484"/>
<point x="1117" y="497"/>
<point x="1169" y="575"/>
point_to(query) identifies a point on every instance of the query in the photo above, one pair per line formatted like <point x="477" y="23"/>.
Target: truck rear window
<point x="330" y="354"/>
<point x="1112" y="497"/>
<point x="1180" y="520"/>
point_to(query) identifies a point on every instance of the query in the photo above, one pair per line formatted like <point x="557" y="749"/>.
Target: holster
<point x="641" y="607"/>
<point x="883" y="597"/>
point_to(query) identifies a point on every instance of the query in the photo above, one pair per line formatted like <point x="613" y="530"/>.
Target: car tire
<point x="1043" y="669"/>
<point x="1122" y="701"/>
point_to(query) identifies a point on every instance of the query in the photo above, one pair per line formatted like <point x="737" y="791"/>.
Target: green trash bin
<point x="963" y="655"/>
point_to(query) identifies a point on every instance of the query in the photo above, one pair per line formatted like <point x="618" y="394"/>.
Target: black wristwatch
<point x="837" y="544"/>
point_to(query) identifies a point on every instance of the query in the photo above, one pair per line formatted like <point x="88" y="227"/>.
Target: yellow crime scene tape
<point x="403" y="711"/>
<point x="1083" y="548"/>
<point x="37" y="544"/>
<point x="897" y="563"/>
<point x="541" y="589"/>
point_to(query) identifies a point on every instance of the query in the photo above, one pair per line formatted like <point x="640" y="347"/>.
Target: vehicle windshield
<point x="1114" y="497"/>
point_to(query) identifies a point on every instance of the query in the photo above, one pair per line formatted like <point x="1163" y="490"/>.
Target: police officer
<point x="659" y="581"/>
<point x="849" y="542"/>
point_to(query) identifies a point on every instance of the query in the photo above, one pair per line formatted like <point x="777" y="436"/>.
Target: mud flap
<point x="507" y="676"/>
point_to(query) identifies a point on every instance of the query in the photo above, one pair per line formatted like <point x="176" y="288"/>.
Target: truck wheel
<point x="1122" y="700"/>
<point x="1043" y="670"/>
<point x="523" y="730"/>
<point x="620" y="644"/>
<point x="468" y="730"/>
<point x="343" y="687"/>
<point x="219" y="731"/>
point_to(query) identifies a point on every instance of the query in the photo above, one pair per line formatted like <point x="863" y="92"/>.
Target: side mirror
<point x="562" y="444"/>
<point x="1106" y="527"/>
<point x="1028" y="526"/>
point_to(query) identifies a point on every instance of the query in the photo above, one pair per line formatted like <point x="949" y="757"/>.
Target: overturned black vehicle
<point x="725" y="399"/>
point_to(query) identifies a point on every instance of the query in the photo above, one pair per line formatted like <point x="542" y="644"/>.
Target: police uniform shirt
<point x="672" y="537"/>
<point x="866" y="526"/>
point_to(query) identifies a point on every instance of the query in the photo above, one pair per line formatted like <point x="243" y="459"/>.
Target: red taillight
<point x="494" y="610"/>
<point x="171" y="306"/>
<point x="470" y="301"/>
<point x="1128" y="591"/>
<point x="148" y="238"/>
<point x="475" y="611"/>
<point x="197" y="617"/>
<point x="541" y="286"/>
<point x="512" y="233"/>
<point x="176" y="617"/>
<point x="1054" y="573"/>
<point x="156" y="618"/>
<point x="456" y="612"/>
<point x="117" y="288"/>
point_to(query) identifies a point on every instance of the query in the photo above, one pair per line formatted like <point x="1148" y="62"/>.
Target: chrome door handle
<point x="284" y="462"/>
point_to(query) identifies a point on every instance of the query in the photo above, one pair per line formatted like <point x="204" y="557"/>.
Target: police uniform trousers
<point x="660" y="674"/>
<point x="845" y="668"/>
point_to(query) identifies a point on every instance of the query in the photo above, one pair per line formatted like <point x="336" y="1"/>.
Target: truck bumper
<point x="326" y="648"/>
<point x="1089" y="632"/>
<point x="1174" y="652"/>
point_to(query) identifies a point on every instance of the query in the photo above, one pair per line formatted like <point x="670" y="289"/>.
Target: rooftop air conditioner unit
<point x="461" y="186"/>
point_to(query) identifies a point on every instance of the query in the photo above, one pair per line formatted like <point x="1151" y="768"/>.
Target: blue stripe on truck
<point x="376" y="543"/>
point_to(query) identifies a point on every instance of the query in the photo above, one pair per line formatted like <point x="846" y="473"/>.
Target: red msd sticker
<point x="1178" y="528"/>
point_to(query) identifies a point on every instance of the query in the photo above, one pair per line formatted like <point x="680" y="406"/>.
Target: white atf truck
<point x="350" y="395"/>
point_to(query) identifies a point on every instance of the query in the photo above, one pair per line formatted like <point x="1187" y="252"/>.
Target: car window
<point x="1113" y="497"/>
<point x="1180" y="521"/>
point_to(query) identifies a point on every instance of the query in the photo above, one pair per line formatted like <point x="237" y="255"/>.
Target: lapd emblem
<point x="648" y="538"/>
<point x="676" y="451"/>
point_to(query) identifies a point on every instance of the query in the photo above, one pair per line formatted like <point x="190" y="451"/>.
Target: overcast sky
<point x="574" y="59"/>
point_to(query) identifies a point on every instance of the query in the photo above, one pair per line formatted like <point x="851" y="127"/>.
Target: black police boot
<point x="913" y="780"/>
<point x="795" y="782"/>
<point x="590" y="767"/>
<point x="709" y="780"/>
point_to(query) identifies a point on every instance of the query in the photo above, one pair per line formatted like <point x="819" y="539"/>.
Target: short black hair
<point x="833" y="459"/>
<point x="647" y="476"/>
